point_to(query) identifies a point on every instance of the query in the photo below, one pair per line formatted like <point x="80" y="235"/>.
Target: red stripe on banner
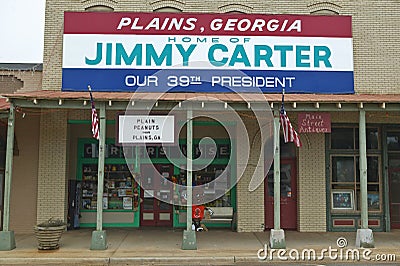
<point x="206" y="24"/>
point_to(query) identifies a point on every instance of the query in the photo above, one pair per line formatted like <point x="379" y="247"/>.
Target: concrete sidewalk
<point x="163" y="246"/>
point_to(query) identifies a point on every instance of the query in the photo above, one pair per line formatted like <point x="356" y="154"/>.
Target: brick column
<point x="52" y="183"/>
<point x="312" y="184"/>
<point x="250" y="205"/>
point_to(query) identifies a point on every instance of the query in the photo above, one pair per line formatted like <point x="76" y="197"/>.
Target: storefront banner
<point x="205" y="52"/>
<point x="136" y="129"/>
<point x="314" y="122"/>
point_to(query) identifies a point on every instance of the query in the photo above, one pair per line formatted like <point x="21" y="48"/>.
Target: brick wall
<point x="52" y="188"/>
<point x="14" y="80"/>
<point x="10" y="84"/>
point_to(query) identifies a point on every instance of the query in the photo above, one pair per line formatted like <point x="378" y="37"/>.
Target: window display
<point x="119" y="187"/>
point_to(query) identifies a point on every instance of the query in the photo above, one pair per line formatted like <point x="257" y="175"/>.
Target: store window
<point x="119" y="182"/>
<point x="348" y="138"/>
<point x="216" y="179"/>
<point x="345" y="175"/>
<point x="119" y="186"/>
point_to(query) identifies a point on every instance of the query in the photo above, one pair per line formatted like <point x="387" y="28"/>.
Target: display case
<point x="119" y="187"/>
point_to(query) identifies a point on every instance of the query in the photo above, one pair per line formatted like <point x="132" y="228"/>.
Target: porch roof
<point x="294" y="102"/>
<point x="227" y="97"/>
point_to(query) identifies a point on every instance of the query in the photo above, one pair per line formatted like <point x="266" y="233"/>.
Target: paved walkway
<point x="163" y="247"/>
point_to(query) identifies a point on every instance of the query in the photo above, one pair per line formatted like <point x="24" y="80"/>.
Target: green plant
<point x="52" y="223"/>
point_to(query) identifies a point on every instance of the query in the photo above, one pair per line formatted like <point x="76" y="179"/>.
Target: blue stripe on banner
<point x="196" y="80"/>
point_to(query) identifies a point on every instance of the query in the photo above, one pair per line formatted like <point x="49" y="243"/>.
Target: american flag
<point x="95" y="118"/>
<point x="289" y="134"/>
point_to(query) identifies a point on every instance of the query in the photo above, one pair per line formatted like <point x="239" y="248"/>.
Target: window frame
<point x="354" y="185"/>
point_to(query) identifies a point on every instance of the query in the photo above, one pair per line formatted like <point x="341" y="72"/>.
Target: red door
<point x="288" y="196"/>
<point x="394" y="179"/>
<point x="154" y="212"/>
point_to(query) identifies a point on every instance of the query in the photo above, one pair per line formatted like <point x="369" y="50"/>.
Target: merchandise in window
<point x="119" y="187"/>
<point x="205" y="177"/>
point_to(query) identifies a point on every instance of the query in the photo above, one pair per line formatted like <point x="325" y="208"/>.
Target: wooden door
<point x="288" y="196"/>
<point x="154" y="212"/>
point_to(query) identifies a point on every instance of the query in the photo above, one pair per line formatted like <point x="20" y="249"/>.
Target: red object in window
<point x="198" y="212"/>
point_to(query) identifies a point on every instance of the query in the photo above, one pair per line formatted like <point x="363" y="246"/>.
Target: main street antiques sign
<point x="142" y="129"/>
<point x="314" y="122"/>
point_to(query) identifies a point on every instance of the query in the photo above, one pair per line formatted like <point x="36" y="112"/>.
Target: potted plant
<point x="49" y="233"/>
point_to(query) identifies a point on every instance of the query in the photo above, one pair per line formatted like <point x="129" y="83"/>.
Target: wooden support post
<point x="277" y="175"/>
<point x="189" y="172"/>
<point x="363" y="170"/>
<point x="99" y="238"/>
<point x="189" y="236"/>
<point x="277" y="236"/>
<point x="365" y="237"/>
<point x="7" y="238"/>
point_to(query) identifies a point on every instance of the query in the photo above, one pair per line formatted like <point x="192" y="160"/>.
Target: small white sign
<point x="145" y="129"/>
